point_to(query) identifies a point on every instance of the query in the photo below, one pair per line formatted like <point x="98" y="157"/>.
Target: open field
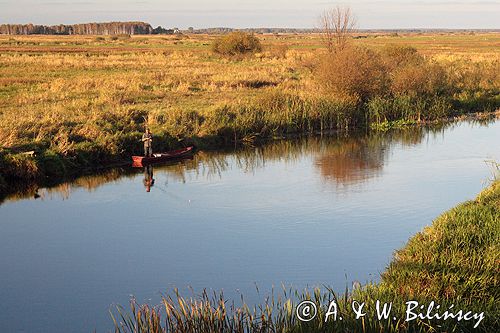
<point x="79" y="100"/>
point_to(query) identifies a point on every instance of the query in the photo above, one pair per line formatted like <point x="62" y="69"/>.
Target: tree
<point x="337" y="25"/>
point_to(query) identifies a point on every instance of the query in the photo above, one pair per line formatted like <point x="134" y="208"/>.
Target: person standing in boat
<point x="147" y="138"/>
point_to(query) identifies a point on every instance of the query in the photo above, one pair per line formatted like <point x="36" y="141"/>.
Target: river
<point x="303" y="212"/>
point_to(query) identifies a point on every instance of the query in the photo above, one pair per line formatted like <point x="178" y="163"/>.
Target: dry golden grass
<point x="51" y="82"/>
<point x="88" y="97"/>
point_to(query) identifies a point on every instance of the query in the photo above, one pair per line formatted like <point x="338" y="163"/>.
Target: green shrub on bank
<point x="19" y="166"/>
<point x="52" y="164"/>
<point x="236" y="43"/>
<point x="476" y="101"/>
<point x="3" y="185"/>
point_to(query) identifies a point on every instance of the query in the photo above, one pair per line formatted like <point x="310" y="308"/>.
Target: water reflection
<point x="277" y="208"/>
<point x="351" y="161"/>
<point x="340" y="160"/>
<point x="63" y="190"/>
<point x="148" y="181"/>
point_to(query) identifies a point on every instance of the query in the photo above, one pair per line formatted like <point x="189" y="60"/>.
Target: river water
<point x="303" y="213"/>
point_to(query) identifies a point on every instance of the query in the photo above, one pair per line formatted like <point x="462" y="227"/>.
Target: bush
<point x="52" y="164"/>
<point x="397" y="56"/>
<point x="18" y="166"/>
<point x="236" y="43"/>
<point x="354" y="73"/>
<point x="418" y="79"/>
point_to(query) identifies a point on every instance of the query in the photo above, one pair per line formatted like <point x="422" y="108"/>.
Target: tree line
<point x="110" y="28"/>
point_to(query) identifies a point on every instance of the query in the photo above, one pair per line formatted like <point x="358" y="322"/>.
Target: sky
<point x="371" y="14"/>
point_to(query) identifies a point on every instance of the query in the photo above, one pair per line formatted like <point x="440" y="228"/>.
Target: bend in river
<point x="302" y="212"/>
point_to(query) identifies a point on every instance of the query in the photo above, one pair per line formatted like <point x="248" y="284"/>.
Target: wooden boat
<point x="139" y="161"/>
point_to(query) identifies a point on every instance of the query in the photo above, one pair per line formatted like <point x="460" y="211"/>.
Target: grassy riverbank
<point x="82" y="102"/>
<point x="454" y="261"/>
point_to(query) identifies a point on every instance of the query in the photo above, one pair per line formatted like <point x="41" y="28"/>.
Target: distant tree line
<point x="142" y="28"/>
<point x="222" y="30"/>
<point x="111" y="28"/>
<point x="225" y="30"/>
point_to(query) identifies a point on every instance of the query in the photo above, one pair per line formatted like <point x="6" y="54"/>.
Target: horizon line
<point x="264" y="27"/>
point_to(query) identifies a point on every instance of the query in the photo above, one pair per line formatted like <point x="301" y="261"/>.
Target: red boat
<point x="140" y="161"/>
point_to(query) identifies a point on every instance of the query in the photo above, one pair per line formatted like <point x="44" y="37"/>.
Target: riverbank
<point x="453" y="261"/>
<point x="43" y="166"/>
<point x="76" y="103"/>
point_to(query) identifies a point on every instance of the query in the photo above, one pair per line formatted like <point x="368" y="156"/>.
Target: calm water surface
<point x="302" y="212"/>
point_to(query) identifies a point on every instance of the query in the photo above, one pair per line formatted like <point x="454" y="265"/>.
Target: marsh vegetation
<point x="78" y="101"/>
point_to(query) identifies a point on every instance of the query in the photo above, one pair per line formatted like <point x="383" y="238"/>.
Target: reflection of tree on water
<point x="351" y="162"/>
<point x="355" y="160"/>
<point x="344" y="160"/>
<point x="149" y="180"/>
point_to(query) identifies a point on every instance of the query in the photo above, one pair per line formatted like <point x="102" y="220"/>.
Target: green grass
<point x="454" y="261"/>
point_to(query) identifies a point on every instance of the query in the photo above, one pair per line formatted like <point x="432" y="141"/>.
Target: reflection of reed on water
<point x="63" y="190"/>
<point x="345" y="160"/>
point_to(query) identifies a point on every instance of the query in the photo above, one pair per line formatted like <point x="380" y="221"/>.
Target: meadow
<point x="70" y="104"/>
<point x="77" y="102"/>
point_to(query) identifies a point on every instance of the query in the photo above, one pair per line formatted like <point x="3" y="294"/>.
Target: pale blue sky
<point x="255" y="13"/>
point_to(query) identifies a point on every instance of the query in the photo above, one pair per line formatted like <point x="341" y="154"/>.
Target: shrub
<point x="52" y="164"/>
<point x="236" y="43"/>
<point x="386" y="109"/>
<point x="354" y="73"/>
<point x="18" y="166"/>
<point x="417" y="79"/>
<point x="397" y="56"/>
<point x="439" y="107"/>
